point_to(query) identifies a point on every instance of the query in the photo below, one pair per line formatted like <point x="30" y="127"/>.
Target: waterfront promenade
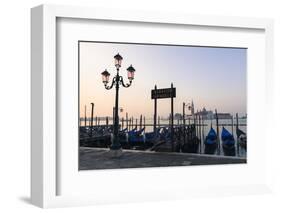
<point x="101" y="158"/>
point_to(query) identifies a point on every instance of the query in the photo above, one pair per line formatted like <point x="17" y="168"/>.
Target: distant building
<point x="178" y="116"/>
<point x="224" y="116"/>
<point x="207" y="115"/>
<point x="244" y="117"/>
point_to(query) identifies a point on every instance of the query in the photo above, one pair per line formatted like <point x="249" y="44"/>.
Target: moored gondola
<point x="136" y="138"/>
<point x="211" y="142"/>
<point x="228" y="142"/>
<point x="191" y="146"/>
<point x="151" y="138"/>
<point x="242" y="138"/>
<point x="191" y="143"/>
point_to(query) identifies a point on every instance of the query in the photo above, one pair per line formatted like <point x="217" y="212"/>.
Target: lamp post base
<point x="114" y="153"/>
<point x="115" y="145"/>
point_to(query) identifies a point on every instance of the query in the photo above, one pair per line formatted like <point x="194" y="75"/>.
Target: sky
<point x="214" y="78"/>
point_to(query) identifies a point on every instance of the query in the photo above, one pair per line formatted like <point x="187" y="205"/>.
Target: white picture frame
<point x="45" y="168"/>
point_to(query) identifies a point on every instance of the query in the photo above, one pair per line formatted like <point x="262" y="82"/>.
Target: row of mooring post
<point x="198" y="121"/>
<point x="132" y="123"/>
<point x="199" y="130"/>
<point x="129" y="122"/>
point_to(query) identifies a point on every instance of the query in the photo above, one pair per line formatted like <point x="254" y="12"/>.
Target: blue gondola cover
<point x="227" y="137"/>
<point x="211" y="138"/>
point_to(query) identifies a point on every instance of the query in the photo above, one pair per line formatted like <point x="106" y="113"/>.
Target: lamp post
<point x="92" y="118"/>
<point x="117" y="81"/>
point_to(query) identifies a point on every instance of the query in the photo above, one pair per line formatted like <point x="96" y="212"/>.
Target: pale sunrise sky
<point x="214" y="78"/>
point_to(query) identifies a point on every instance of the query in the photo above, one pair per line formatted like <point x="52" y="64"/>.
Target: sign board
<point x="163" y="93"/>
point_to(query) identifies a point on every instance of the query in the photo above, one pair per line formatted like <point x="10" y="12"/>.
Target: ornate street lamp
<point x="131" y="72"/>
<point x="118" y="60"/>
<point x="117" y="81"/>
<point x="105" y="76"/>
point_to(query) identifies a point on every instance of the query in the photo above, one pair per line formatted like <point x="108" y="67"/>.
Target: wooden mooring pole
<point x="200" y="142"/>
<point x="140" y="122"/>
<point x="232" y="124"/>
<point x="237" y="139"/>
<point x="183" y="121"/>
<point x="127" y="120"/>
<point x="203" y="133"/>
<point x="155" y="111"/>
<point x="85" y="115"/>
<point x="113" y="114"/>
<point x="218" y="133"/>
<point x="92" y="117"/>
<point x="172" y="121"/>
<point x="196" y="124"/>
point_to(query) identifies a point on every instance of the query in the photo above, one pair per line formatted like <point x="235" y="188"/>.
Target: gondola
<point x="136" y="137"/>
<point x="242" y="138"/>
<point x="228" y="142"/>
<point x="164" y="142"/>
<point x="191" y="146"/>
<point x="94" y="137"/>
<point x="152" y="138"/>
<point x="165" y="134"/>
<point x="191" y="143"/>
<point x="211" y="142"/>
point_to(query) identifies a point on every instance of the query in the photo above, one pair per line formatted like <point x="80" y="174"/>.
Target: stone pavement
<point x="100" y="158"/>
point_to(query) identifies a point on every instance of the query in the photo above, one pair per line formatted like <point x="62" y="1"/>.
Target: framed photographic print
<point x="151" y="106"/>
<point x="145" y="130"/>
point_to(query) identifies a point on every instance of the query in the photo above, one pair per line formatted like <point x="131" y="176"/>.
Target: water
<point x="205" y="128"/>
